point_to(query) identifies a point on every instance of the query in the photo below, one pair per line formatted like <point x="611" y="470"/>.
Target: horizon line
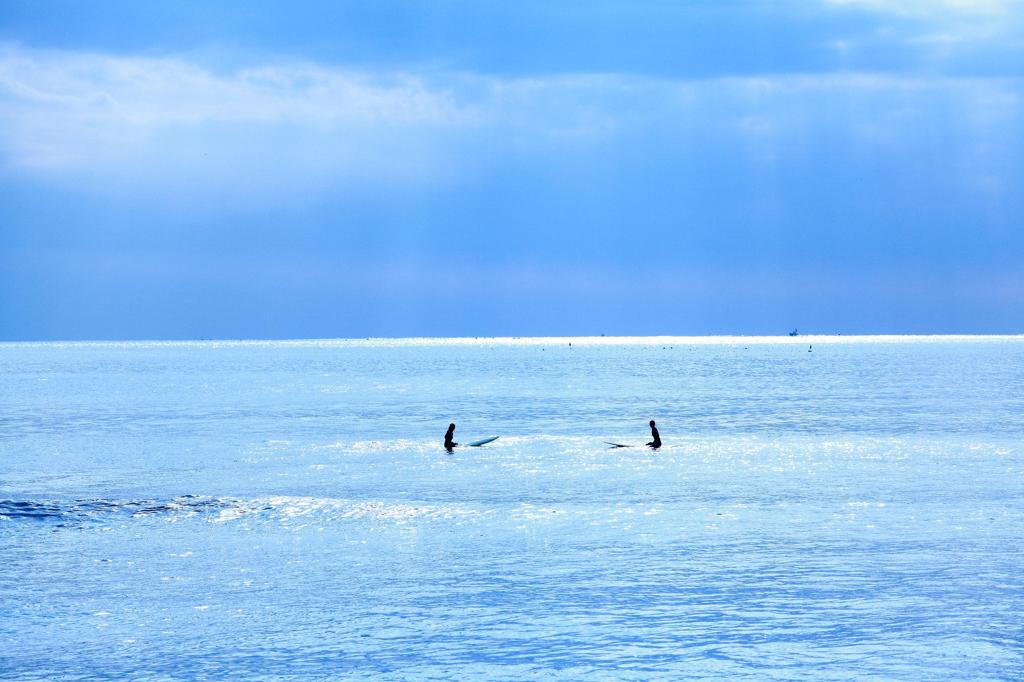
<point x="584" y="340"/>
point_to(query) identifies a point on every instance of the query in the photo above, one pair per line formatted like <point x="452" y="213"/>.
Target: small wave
<point x="86" y="510"/>
<point x="10" y="509"/>
<point x="289" y="510"/>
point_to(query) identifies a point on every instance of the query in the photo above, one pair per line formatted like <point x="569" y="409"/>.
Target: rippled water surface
<point x="848" y="509"/>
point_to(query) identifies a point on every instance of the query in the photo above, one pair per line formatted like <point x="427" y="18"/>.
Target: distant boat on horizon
<point x="794" y="333"/>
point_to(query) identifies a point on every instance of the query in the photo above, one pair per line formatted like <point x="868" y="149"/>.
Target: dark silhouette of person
<point x="448" y="442"/>
<point x="656" y="443"/>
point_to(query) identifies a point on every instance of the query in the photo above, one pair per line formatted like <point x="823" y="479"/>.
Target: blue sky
<point x="332" y="169"/>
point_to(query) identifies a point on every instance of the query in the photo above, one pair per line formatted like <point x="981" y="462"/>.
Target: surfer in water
<point x="656" y="443"/>
<point x="449" y="443"/>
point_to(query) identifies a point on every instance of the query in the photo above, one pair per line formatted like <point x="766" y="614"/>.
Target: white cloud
<point x="154" y="91"/>
<point x="937" y="31"/>
<point x="67" y="111"/>
<point x="933" y="8"/>
<point x="300" y="129"/>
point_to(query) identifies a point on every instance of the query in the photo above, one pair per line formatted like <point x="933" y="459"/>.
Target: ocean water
<point x="822" y="508"/>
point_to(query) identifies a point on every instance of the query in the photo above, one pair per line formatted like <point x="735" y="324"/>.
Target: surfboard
<point x="485" y="441"/>
<point x="616" y="445"/>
